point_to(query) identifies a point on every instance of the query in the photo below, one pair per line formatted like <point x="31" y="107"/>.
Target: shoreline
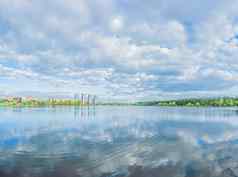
<point x="196" y="103"/>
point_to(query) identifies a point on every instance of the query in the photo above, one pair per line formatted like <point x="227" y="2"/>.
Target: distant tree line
<point x="216" y="102"/>
<point x="39" y="103"/>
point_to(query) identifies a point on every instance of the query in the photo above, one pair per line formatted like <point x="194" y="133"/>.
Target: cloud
<point x="116" y="24"/>
<point x="122" y="49"/>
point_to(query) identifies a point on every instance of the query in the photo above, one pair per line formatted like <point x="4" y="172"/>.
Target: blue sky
<point x="119" y="49"/>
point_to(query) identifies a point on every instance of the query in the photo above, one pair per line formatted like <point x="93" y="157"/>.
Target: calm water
<point x="119" y="142"/>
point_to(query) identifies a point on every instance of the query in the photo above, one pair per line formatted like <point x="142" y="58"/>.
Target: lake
<point x="114" y="141"/>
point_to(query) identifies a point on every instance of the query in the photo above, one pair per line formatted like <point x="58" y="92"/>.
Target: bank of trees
<point x="39" y="103"/>
<point x="216" y="102"/>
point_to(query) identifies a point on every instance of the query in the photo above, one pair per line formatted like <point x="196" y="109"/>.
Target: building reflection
<point x="83" y="113"/>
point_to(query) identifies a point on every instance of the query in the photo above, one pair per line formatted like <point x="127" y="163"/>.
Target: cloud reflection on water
<point x="118" y="141"/>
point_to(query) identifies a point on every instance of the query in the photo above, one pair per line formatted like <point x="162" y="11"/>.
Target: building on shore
<point x="15" y="99"/>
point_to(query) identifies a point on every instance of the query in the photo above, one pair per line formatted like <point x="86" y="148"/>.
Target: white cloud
<point x="144" y="48"/>
<point x="116" y="24"/>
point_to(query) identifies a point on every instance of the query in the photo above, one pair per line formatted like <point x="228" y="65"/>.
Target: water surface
<point x="118" y="142"/>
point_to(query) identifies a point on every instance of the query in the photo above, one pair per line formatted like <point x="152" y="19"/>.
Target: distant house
<point x="29" y="98"/>
<point x="16" y="99"/>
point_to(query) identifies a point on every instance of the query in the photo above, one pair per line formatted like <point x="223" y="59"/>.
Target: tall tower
<point x="88" y="100"/>
<point x="94" y="100"/>
<point x="82" y="99"/>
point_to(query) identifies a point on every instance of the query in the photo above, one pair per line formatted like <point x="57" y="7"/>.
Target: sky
<point x="119" y="49"/>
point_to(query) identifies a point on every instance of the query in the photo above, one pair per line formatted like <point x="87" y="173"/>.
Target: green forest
<point x="39" y="103"/>
<point x="216" y="102"/>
